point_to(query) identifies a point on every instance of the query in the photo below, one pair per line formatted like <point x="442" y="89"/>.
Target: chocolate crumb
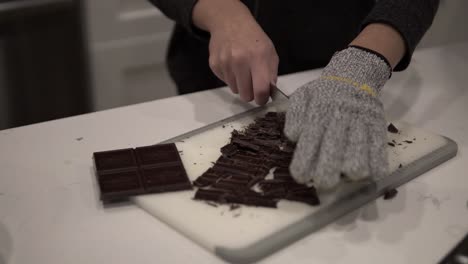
<point x="233" y="207"/>
<point x="211" y="203"/>
<point x="408" y="141"/>
<point x="391" y="144"/>
<point x="79" y="139"/>
<point x="393" y="141"/>
<point x="399" y="166"/>
<point x="399" y="144"/>
<point x="392" y="129"/>
<point x="224" y="126"/>
<point x="390" y="194"/>
<point x="194" y="163"/>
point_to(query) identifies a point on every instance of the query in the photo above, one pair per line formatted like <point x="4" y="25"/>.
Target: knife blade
<point x="276" y="94"/>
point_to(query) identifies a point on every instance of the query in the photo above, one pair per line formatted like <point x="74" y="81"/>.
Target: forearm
<point x="382" y="39"/>
<point x="410" y="18"/>
<point x="212" y="14"/>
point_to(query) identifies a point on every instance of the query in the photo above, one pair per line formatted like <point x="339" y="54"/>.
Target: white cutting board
<point x="249" y="233"/>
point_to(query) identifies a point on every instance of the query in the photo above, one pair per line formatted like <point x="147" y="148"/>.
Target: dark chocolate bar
<point x="127" y="172"/>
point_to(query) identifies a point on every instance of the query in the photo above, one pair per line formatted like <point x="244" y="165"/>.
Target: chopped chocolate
<point x="238" y="176"/>
<point x="229" y="150"/>
<point x="210" y="195"/>
<point x="127" y="172"/>
<point x="390" y="194"/>
<point x="245" y="144"/>
<point x="392" y="129"/>
<point x="254" y="181"/>
<point x="400" y="166"/>
<point x="391" y="144"/>
<point x="408" y="141"/>
<point x="233" y="207"/>
<point x="211" y="203"/>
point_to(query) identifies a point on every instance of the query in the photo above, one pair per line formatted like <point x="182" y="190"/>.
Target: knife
<point x="276" y="94"/>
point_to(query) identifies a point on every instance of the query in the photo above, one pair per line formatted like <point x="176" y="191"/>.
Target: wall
<point x="450" y="24"/>
<point x="127" y="43"/>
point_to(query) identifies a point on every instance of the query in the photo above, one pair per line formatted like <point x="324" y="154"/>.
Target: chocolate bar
<point x="128" y="172"/>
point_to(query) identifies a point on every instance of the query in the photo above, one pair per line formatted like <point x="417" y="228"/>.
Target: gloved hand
<point x="338" y="121"/>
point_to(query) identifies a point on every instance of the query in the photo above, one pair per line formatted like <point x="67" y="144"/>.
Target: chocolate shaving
<point x="392" y="129"/>
<point x="390" y="194"/>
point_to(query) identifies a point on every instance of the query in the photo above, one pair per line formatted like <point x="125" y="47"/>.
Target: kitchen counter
<point x="49" y="203"/>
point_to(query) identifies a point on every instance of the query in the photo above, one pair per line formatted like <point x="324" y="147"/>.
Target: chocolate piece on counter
<point x="206" y="179"/>
<point x="251" y="200"/>
<point x="392" y="129"/>
<point x="211" y="203"/>
<point x="210" y="195"/>
<point x="272" y="143"/>
<point x="306" y="195"/>
<point x="311" y="200"/>
<point x="400" y="166"/>
<point x="282" y="174"/>
<point x="390" y="194"/>
<point x="391" y="144"/>
<point x="245" y="144"/>
<point x="276" y="192"/>
<point x="127" y="172"/>
<point x="408" y="141"/>
<point x="254" y="181"/>
<point x="229" y="150"/>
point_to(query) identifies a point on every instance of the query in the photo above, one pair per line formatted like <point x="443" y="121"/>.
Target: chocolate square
<point x="157" y="155"/>
<point x="165" y="178"/>
<point x="115" y="160"/>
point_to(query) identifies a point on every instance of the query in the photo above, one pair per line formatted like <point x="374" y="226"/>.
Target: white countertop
<point x="50" y="211"/>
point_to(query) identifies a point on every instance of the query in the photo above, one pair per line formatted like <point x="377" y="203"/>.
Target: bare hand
<point x="241" y="54"/>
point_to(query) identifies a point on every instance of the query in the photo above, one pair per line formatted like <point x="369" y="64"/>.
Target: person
<point x="337" y="120"/>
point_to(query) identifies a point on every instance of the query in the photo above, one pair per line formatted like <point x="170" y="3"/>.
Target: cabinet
<point x="127" y="43"/>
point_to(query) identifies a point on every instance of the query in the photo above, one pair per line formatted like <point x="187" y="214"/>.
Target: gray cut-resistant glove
<point x="338" y="121"/>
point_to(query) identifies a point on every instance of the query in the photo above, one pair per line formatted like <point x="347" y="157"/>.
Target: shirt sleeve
<point x="181" y="12"/>
<point x="411" y="18"/>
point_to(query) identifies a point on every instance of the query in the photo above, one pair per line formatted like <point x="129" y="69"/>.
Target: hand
<point x="241" y="54"/>
<point x="338" y="121"/>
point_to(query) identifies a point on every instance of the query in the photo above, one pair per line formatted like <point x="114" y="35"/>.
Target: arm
<point x="338" y="120"/>
<point x="409" y="18"/>
<point x="241" y="54"/>
<point x="178" y="10"/>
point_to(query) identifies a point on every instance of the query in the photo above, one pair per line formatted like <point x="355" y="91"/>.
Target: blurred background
<point x="61" y="58"/>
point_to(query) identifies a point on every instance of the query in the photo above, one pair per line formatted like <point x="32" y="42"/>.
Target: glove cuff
<point x="363" y="69"/>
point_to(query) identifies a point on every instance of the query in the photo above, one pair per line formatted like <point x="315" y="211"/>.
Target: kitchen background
<point x="61" y="58"/>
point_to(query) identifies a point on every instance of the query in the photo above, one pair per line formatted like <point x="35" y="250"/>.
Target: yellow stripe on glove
<point x="363" y="87"/>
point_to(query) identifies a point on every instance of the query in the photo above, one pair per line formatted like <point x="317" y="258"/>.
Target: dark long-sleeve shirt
<point x="305" y="33"/>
